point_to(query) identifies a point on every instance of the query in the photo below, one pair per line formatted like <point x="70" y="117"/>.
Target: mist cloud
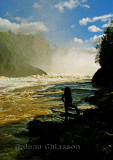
<point x="71" y="61"/>
<point x="74" y="61"/>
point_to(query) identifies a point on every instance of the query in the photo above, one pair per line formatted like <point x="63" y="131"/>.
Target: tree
<point x="105" y="54"/>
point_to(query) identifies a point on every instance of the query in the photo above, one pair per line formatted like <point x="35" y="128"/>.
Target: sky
<point x="62" y="22"/>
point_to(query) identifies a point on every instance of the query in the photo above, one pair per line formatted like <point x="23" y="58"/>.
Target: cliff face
<point x="15" y="56"/>
<point x="21" y="70"/>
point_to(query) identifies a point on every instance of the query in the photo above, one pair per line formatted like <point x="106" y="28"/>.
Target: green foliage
<point x="19" y="50"/>
<point x="105" y="55"/>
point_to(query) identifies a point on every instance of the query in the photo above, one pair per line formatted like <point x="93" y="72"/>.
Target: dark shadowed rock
<point x="104" y="76"/>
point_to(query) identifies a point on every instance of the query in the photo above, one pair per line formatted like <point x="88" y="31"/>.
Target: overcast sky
<point x="64" y="22"/>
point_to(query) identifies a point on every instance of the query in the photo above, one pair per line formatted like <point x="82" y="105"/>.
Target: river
<point x="22" y="99"/>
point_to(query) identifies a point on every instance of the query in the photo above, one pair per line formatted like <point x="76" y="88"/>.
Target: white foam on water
<point x="9" y="84"/>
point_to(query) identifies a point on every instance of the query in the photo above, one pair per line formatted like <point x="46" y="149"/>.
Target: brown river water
<point x="22" y="99"/>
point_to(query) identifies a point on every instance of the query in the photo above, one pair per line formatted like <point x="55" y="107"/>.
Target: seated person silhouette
<point x="67" y="99"/>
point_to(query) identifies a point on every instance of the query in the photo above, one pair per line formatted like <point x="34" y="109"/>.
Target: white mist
<point x="71" y="61"/>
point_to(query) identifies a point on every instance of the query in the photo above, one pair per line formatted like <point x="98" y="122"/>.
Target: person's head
<point x="67" y="91"/>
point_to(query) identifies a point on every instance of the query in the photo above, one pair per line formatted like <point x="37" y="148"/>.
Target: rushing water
<point x="22" y="99"/>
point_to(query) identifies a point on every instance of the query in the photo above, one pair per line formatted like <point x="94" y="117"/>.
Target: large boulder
<point x="103" y="76"/>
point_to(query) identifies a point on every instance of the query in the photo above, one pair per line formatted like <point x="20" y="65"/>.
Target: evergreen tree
<point x="105" y="54"/>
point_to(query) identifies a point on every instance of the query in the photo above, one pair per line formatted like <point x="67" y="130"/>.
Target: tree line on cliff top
<point x="105" y="48"/>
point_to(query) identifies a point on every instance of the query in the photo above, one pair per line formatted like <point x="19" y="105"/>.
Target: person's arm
<point x="63" y="97"/>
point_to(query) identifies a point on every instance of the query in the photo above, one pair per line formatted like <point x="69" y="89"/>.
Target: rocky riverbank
<point x="86" y="136"/>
